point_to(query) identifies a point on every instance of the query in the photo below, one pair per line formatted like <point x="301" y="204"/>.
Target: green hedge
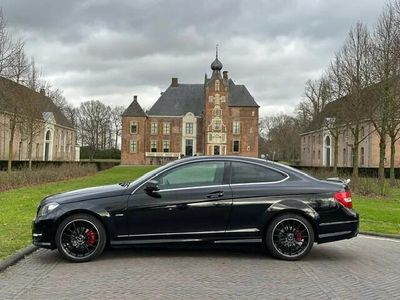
<point x="100" y="154"/>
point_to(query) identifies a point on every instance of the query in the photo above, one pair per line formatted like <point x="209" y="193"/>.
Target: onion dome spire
<point x="216" y="65"/>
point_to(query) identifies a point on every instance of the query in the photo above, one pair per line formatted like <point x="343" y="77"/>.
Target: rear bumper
<point x="340" y="230"/>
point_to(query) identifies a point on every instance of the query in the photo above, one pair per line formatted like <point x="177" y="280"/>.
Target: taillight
<point x="344" y="198"/>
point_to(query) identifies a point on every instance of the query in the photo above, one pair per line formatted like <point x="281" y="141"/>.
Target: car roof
<point x="267" y="163"/>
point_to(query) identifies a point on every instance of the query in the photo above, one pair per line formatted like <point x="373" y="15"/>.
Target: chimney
<point x="43" y="92"/>
<point x="225" y="74"/>
<point x="135" y="98"/>
<point x="174" y="82"/>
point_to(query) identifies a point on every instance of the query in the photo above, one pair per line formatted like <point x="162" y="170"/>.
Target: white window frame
<point x="133" y="145"/>
<point x="154" y="128"/>
<point x="236" y="127"/>
<point x="130" y="127"/>
<point x="168" y="144"/>
<point x="166" y="128"/>
<point x="190" y="126"/>
<point x="152" y="143"/>
<point x="233" y="146"/>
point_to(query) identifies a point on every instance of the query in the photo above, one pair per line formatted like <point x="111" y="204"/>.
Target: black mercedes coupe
<point x="218" y="199"/>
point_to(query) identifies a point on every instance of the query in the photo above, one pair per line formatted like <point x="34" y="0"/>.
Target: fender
<point x="90" y="208"/>
<point x="290" y="205"/>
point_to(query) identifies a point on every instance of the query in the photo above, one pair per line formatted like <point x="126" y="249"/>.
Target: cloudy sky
<point x="111" y="50"/>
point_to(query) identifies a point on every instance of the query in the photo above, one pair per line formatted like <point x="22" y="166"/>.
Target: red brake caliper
<point x="299" y="236"/>
<point x="91" y="237"/>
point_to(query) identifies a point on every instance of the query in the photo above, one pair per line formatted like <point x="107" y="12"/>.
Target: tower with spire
<point x="216" y="109"/>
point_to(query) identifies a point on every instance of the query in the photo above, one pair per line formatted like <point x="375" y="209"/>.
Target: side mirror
<point x="151" y="186"/>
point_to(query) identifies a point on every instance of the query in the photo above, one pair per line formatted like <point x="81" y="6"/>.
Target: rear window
<point x="249" y="173"/>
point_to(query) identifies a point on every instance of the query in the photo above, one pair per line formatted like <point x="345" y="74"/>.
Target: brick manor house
<point x="55" y="136"/>
<point x="217" y="117"/>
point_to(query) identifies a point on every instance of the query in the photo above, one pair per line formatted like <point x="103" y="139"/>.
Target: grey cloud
<point x="109" y="50"/>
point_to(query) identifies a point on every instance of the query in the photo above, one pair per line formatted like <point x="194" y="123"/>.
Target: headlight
<point x="44" y="210"/>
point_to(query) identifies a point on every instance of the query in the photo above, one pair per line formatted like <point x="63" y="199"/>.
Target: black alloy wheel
<point x="289" y="237"/>
<point x="80" y="238"/>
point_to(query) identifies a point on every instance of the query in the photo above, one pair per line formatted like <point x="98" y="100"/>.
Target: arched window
<point x="344" y="157"/>
<point x="327" y="151"/>
<point x="48" y="135"/>
<point x="362" y="132"/>
<point x="327" y="141"/>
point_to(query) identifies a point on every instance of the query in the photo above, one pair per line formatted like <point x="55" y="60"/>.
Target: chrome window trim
<point x="192" y="187"/>
<point x="172" y="167"/>
<point x="262" y="182"/>
<point x="222" y="160"/>
<point x="245" y="230"/>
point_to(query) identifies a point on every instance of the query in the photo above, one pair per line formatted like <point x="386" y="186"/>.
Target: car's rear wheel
<point x="289" y="237"/>
<point x="80" y="238"/>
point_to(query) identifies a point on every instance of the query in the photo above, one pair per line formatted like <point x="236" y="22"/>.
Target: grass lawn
<point x="380" y="215"/>
<point x="18" y="207"/>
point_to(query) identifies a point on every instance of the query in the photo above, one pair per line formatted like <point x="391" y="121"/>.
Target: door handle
<point x="218" y="194"/>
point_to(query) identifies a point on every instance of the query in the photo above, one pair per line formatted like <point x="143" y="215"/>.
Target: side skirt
<point x="173" y="241"/>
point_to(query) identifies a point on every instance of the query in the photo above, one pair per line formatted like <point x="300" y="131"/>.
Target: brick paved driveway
<point x="364" y="267"/>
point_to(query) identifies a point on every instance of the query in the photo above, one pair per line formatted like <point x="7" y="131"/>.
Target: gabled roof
<point x="12" y="92"/>
<point x="134" y="110"/>
<point x="179" y="100"/>
<point x="240" y="96"/>
<point x="183" y="98"/>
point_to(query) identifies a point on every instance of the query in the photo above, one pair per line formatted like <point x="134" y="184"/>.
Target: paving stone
<point x="361" y="268"/>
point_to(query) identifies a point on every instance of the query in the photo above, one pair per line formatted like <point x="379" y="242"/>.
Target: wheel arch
<point x="290" y="206"/>
<point x="87" y="212"/>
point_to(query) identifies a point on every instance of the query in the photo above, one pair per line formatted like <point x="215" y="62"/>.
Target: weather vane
<point x="216" y="50"/>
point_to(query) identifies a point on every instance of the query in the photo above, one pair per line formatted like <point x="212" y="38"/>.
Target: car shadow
<point x="319" y="253"/>
<point x="244" y="251"/>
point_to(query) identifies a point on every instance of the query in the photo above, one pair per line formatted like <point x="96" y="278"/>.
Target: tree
<point x="32" y="123"/>
<point x="384" y="66"/>
<point x="282" y="137"/>
<point x="336" y="88"/>
<point x="355" y="72"/>
<point x="316" y="97"/>
<point x="116" y="119"/>
<point x="94" y="125"/>
<point x="13" y="113"/>
<point x="19" y="66"/>
<point x="7" y="47"/>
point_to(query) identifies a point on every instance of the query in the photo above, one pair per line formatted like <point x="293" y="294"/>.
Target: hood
<point x="87" y="194"/>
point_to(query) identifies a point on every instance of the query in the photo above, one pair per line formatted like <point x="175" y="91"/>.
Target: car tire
<point x="289" y="236"/>
<point x="80" y="238"/>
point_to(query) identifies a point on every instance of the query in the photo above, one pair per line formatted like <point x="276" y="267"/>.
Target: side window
<point x="192" y="175"/>
<point x="249" y="173"/>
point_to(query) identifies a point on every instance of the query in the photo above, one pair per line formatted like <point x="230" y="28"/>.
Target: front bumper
<point x="43" y="233"/>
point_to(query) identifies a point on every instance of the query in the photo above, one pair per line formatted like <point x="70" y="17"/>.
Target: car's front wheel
<point x="289" y="236"/>
<point x="80" y="238"/>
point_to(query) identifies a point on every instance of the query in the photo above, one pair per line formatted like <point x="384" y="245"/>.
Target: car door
<point x="254" y="188"/>
<point x="193" y="198"/>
